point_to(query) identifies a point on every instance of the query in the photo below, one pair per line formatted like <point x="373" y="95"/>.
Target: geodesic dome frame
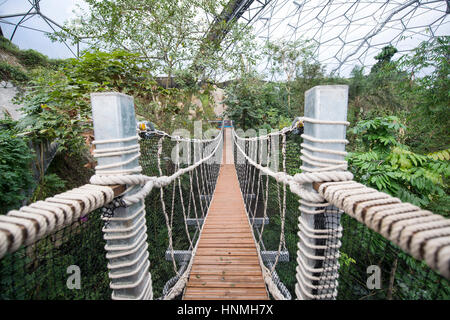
<point x="346" y="33"/>
<point x="349" y="33"/>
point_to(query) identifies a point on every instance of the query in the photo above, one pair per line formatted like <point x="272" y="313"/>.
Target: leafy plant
<point x="12" y="73"/>
<point x="50" y="185"/>
<point x="389" y="166"/>
<point x="15" y="166"/>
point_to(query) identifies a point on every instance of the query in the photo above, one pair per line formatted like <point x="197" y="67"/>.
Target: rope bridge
<point x="227" y="217"/>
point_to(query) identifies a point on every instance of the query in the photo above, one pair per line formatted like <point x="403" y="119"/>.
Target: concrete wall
<point x="7" y="93"/>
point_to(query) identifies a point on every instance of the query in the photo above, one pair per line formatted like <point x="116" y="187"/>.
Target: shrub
<point x="11" y="73"/>
<point x="31" y="58"/>
<point x="15" y="171"/>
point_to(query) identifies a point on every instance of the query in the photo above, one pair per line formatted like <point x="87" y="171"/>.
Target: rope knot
<point x="161" y="181"/>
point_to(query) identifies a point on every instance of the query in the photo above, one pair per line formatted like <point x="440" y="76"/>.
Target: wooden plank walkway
<point x="226" y="264"/>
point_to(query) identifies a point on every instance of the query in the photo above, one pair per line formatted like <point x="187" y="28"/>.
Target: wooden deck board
<point x="226" y="265"/>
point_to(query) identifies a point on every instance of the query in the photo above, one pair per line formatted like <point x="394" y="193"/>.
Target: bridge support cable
<point x="326" y="190"/>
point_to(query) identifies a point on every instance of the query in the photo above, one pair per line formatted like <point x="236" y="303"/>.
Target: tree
<point x="384" y="57"/>
<point x="429" y="70"/>
<point x="167" y="35"/>
<point x="290" y="60"/>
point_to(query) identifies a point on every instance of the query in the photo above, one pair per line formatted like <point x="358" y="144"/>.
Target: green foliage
<point x="379" y="133"/>
<point x="293" y="62"/>
<point x="345" y="260"/>
<point x="31" y="58"/>
<point x="50" y="185"/>
<point x="7" y="45"/>
<point x="389" y="166"/>
<point x="429" y="89"/>
<point x="57" y="109"/>
<point x="15" y="170"/>
<point x="58" y="106"/>
<point x="173" y="38"/>
<point x="116" y="70"/>
<point x="11" y="73"/>
<point x="414" y="88"/>
<point x="440" y="155"/>
<point x="252" y="102"/>
<point x="28" y="58"/>
<point x="384" y="57"/>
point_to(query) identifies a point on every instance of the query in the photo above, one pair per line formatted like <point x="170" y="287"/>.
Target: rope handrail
<point x="420" y="233"/>
<point x="179" y="138"/>
<point x="139" y="186"/>
<point x="123" y="177"/>
<point x="33" y="222"/>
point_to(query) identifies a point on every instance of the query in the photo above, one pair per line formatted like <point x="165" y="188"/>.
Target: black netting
<point x="40" y="270"/>
<point x="402" y="277"/>
<point x="197" y="188"/>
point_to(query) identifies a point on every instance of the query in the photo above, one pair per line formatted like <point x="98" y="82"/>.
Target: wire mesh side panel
<point x="40" y="271"/>
<point x="175" y="213"/>
<point x="360" y="252"/>
<point x="272" y="208"/>
<point x="365" y="255"/>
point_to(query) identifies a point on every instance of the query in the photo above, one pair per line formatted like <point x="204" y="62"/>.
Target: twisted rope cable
<point x="37" y="220"/>
<point x="142" y="185"/>
<point x="145" y="182"/>
<point x="422" y="234"/>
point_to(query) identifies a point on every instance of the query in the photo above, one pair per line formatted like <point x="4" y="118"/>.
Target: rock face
<point x="7" y="93"/>
<point x="219" y="95"/>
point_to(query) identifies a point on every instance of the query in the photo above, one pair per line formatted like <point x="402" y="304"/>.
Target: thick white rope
<point x="146" y="183"/>
<point x="181" y="139"/>
<point x="142" y="185"/>
<point x="37" y="220"/>
<point x="297" y="181"/>
<point x="422" y="234"/>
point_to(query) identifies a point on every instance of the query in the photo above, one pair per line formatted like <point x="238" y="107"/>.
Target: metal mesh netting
<point x="264" y="200"/>
<point x="401" y="276"/>
<point x="40" y="270"/>
<point x="186" y="203"/>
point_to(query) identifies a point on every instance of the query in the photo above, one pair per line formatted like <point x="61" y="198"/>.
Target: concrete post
<point x="317" y="257"/>
<point x="126" y="232"/>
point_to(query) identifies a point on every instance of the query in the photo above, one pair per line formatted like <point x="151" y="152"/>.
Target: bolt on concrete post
<point x="126" y="232"/>
<point x="318" y="254"/>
